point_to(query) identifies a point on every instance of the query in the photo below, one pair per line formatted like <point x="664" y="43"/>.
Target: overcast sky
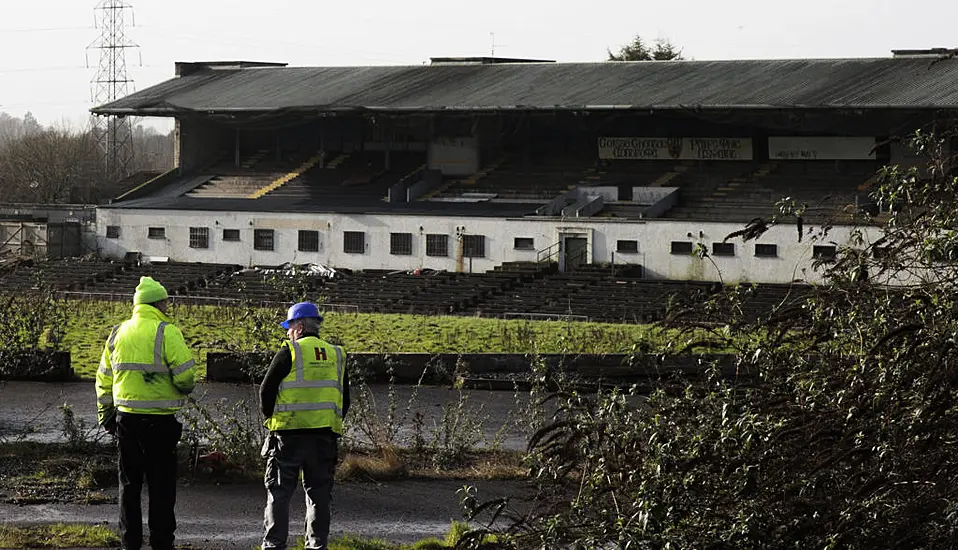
<point x="43" y="67"/>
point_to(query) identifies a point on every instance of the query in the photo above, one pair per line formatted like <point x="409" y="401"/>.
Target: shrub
<point x="30" y="322"/>
<point x="836" y="426"/>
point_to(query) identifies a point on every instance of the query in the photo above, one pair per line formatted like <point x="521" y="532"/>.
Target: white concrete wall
<point x="654" y="242"/>
<point x="793" y="262"/>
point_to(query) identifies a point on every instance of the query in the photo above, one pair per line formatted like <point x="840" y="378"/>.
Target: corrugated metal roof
<point x="812" y="83"/>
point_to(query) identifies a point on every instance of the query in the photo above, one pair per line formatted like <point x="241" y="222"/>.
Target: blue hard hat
<point x="302" y="310"/>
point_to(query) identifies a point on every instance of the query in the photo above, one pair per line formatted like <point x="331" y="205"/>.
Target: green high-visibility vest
<point x="311" y="395"/>
<point x="146" y="366"/>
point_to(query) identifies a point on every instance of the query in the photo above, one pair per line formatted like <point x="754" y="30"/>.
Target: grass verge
<point x="57" y="536"/>
<point x="348" y="542"/>
<point x="393" y="463"/>
<point x="97" y="536"/>
<point x="37" y="473"/>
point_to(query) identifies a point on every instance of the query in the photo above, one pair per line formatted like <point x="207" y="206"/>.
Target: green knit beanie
<point x="149" y="291"/>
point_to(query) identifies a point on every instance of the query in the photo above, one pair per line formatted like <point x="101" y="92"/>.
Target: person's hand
<point x="110" y="425"/>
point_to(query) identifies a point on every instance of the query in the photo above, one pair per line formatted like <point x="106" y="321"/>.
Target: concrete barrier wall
<point x="444" y="368"/>
<point x="42" y="366"/>
<point x="411" y="368"/>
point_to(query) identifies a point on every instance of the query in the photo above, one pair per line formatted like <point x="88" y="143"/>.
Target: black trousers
<point x="147" y="451"/>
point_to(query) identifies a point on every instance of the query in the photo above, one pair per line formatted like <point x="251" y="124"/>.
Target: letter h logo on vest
<point x="320" y="354"/>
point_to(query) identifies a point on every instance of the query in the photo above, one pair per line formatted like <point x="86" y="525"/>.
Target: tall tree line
<point x="62" y="164"/>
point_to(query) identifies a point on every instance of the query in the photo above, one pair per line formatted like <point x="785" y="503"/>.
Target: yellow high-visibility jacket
<point x="311" y="395"/>
<point x="146" y="367"/>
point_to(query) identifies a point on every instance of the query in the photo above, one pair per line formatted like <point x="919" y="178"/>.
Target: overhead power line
<point x="112" y="82"/>
<point x="63" y="68"/>
<point x="44" y="69"/>
<point x="48" y="29"/>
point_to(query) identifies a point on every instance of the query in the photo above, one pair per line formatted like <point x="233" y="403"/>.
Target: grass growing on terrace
<point x="211" y="328"/>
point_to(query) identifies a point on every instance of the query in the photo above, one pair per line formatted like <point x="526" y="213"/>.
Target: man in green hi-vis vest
<point x="304" y="397"/>
<point x="146" y="371"/>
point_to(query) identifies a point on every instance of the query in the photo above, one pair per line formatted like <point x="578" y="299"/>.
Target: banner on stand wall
<point x="821" y="148"/>
<point x="650" y="148"/>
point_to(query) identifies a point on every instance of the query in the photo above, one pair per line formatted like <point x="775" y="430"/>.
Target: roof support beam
<point x="236" y="155"/>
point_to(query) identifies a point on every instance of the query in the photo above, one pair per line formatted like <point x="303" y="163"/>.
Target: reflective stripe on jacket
<point x="311" y="395"/>
<point x="146" y="366"/>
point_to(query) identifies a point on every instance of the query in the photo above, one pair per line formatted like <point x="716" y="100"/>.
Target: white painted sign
<point x="821" y="148"/>
<point x="650" y="148"/>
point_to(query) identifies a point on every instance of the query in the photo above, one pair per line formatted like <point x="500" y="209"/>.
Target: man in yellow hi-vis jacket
<point x="304" y="397"/>
<point x="146" y="371"/>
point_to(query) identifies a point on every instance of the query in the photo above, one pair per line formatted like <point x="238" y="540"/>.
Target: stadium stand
<point x="394" y="292"/>
<point x="288" y="177"/>
<point x="178" y="278"/>
<point x="374" y="291"/>
<point x="70" y="274"/>
<point x="635" y="173"/>
<point x="359" y="176"/>
<point x="514" y="179"/>
<point x="254" y="173"/>
<point x="108" y="192"/>
<point x="462" y="292"/>
<point x="594" y="293"/>
<point x="519" y="290"/>
<point x="541" y="296"/>
<point x="827" y="187"/>
<point x="272" y="285"/>
<point x="617" y="300"/>
<point x="500" y="147"/>
<point x="108" y="278"/>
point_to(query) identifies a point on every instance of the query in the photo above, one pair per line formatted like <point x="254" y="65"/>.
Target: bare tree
<point x="152" y="151"/>
<point x="62" y="164"/>
<point x="53" y="165"/>
<point x="13" y="128"/>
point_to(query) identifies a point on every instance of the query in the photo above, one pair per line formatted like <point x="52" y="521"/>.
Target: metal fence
<point x="202" y="300"/>
<point x="545" y="316"/>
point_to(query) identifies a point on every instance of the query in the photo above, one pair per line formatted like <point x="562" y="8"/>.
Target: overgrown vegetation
<point x="386" y="441"/>
<point x="220" y="428"/>
<point x="78" y="435"/>
<point x="840" y="429"/>
<point x="394" y="440"/>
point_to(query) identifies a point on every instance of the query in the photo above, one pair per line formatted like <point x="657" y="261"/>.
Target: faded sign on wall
<point x="821" y="148"/>
<point x="648" y="148"/>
